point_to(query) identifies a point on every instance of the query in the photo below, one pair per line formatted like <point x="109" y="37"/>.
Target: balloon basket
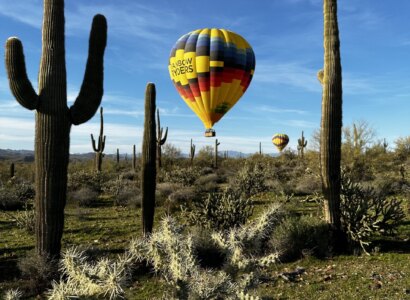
<point x="210" y="133"/>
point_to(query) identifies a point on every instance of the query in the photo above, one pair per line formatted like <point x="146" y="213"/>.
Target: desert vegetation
<point x="253" y="227"/>
<point x="332" y="222"/>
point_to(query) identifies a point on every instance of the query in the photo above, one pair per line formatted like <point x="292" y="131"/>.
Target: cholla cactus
<point x="13" y="295"/>
<point x="242" y="244"/>
<point x="104" y="278"/>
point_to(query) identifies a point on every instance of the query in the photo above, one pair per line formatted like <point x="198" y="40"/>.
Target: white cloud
<point x="292" y="73"/>
<point x="270" y="109"/>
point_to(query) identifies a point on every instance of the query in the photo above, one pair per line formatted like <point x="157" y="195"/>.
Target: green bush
<point x="14" y="196"/>
<point x="296" y="237"/>
<point x="184" y="176"/>
<point x="84" y="196"/>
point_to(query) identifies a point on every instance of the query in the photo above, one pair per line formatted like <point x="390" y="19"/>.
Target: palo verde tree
<point x="53" y="117"/>
<point x="160" y="139"/>
<point x="148" y="161"/>
<point x="99" y="148"/>
<point x="331" y="123"/>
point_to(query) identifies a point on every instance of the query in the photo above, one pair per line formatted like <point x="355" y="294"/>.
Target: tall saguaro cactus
<point x="302" y="143"/>
<point x="216" y="154"/>
<point x="160" y="140"/>
<point x="53" y="117"/>
<point x="99" y="148"/>
<point x="134" y="158"/>
<point x="148" y="161"/>
<point x="192" y="153"/>
<point x="331" y="123"/>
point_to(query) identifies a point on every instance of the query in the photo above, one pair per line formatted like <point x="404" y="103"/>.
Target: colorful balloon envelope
<point x="280" y="140"/>
<point x="211" y="69"/>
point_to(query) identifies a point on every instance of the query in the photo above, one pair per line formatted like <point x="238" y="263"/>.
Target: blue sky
<point x="284" y="95"/>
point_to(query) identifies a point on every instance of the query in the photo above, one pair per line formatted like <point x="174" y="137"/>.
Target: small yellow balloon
<point x="211" y="69"/>
<point x="280" y="140"/>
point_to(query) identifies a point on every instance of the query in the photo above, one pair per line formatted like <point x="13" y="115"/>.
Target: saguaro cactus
<point x="302" y="143"/>
<point x="53" y="117"/>
<point x="260" y="148"/>
<point x="118" y="156"/>
<point x="216" y="154"/>
<point x="331" y="123"/>
<point x="12" y="169"/>
<point x="192" y="153"/>
<point x="160" y="140"/>
<point x="134" y="158"/>
<point x="148" y="162"/>
<point x="99" y="148"/>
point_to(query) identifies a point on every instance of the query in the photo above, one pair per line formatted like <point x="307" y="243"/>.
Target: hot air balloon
<point x="211" y="69"/>
<point x="280" y="140"/>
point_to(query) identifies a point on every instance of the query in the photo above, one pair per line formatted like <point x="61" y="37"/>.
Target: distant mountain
<point x="17" y="155"/>
<point x="28" y="155"/>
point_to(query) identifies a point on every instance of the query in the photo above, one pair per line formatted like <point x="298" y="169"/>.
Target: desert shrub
<point x="366" y="212"/>
<point x="183" y="176"/>
<point x="296" y="237"/>
<point x="39" y="271"/>
<point x="207" y="183"/>
<point x="15" y="195"/>
<point x="182" y="196"/>
<point x="164" y="190"/>
<point x="84" y="196"/>
<point x="130" y="196"/>
<point x="220" y="211"/>
<point x="122" y="190"/>
<point x="91" y="180"/>
<point x="307" y="184"/>
<point x="24" y="219"/>
<point x="250" y="180"/>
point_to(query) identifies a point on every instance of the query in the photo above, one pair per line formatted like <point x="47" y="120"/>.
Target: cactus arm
<point x="103" y="144"/>
<point x="20" y="85"/>
<point x="91" y="91"/>
<point x="163" y="140"/>
<point x="93" y="143"/>
<point x="320" y="75"/>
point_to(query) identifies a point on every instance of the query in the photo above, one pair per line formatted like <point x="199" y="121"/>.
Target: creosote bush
<point x="366" y="212"/>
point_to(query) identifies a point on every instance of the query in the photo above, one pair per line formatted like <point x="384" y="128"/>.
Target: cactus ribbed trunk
<point x="118" y="156"/>
<point x="148" y="162"/>
<point x="53" y="117"/>
<point x="331" y="123"/>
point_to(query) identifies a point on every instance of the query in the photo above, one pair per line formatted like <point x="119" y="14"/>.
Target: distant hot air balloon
<point x="211" y="69"/>
<point x="280" y="140"/>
